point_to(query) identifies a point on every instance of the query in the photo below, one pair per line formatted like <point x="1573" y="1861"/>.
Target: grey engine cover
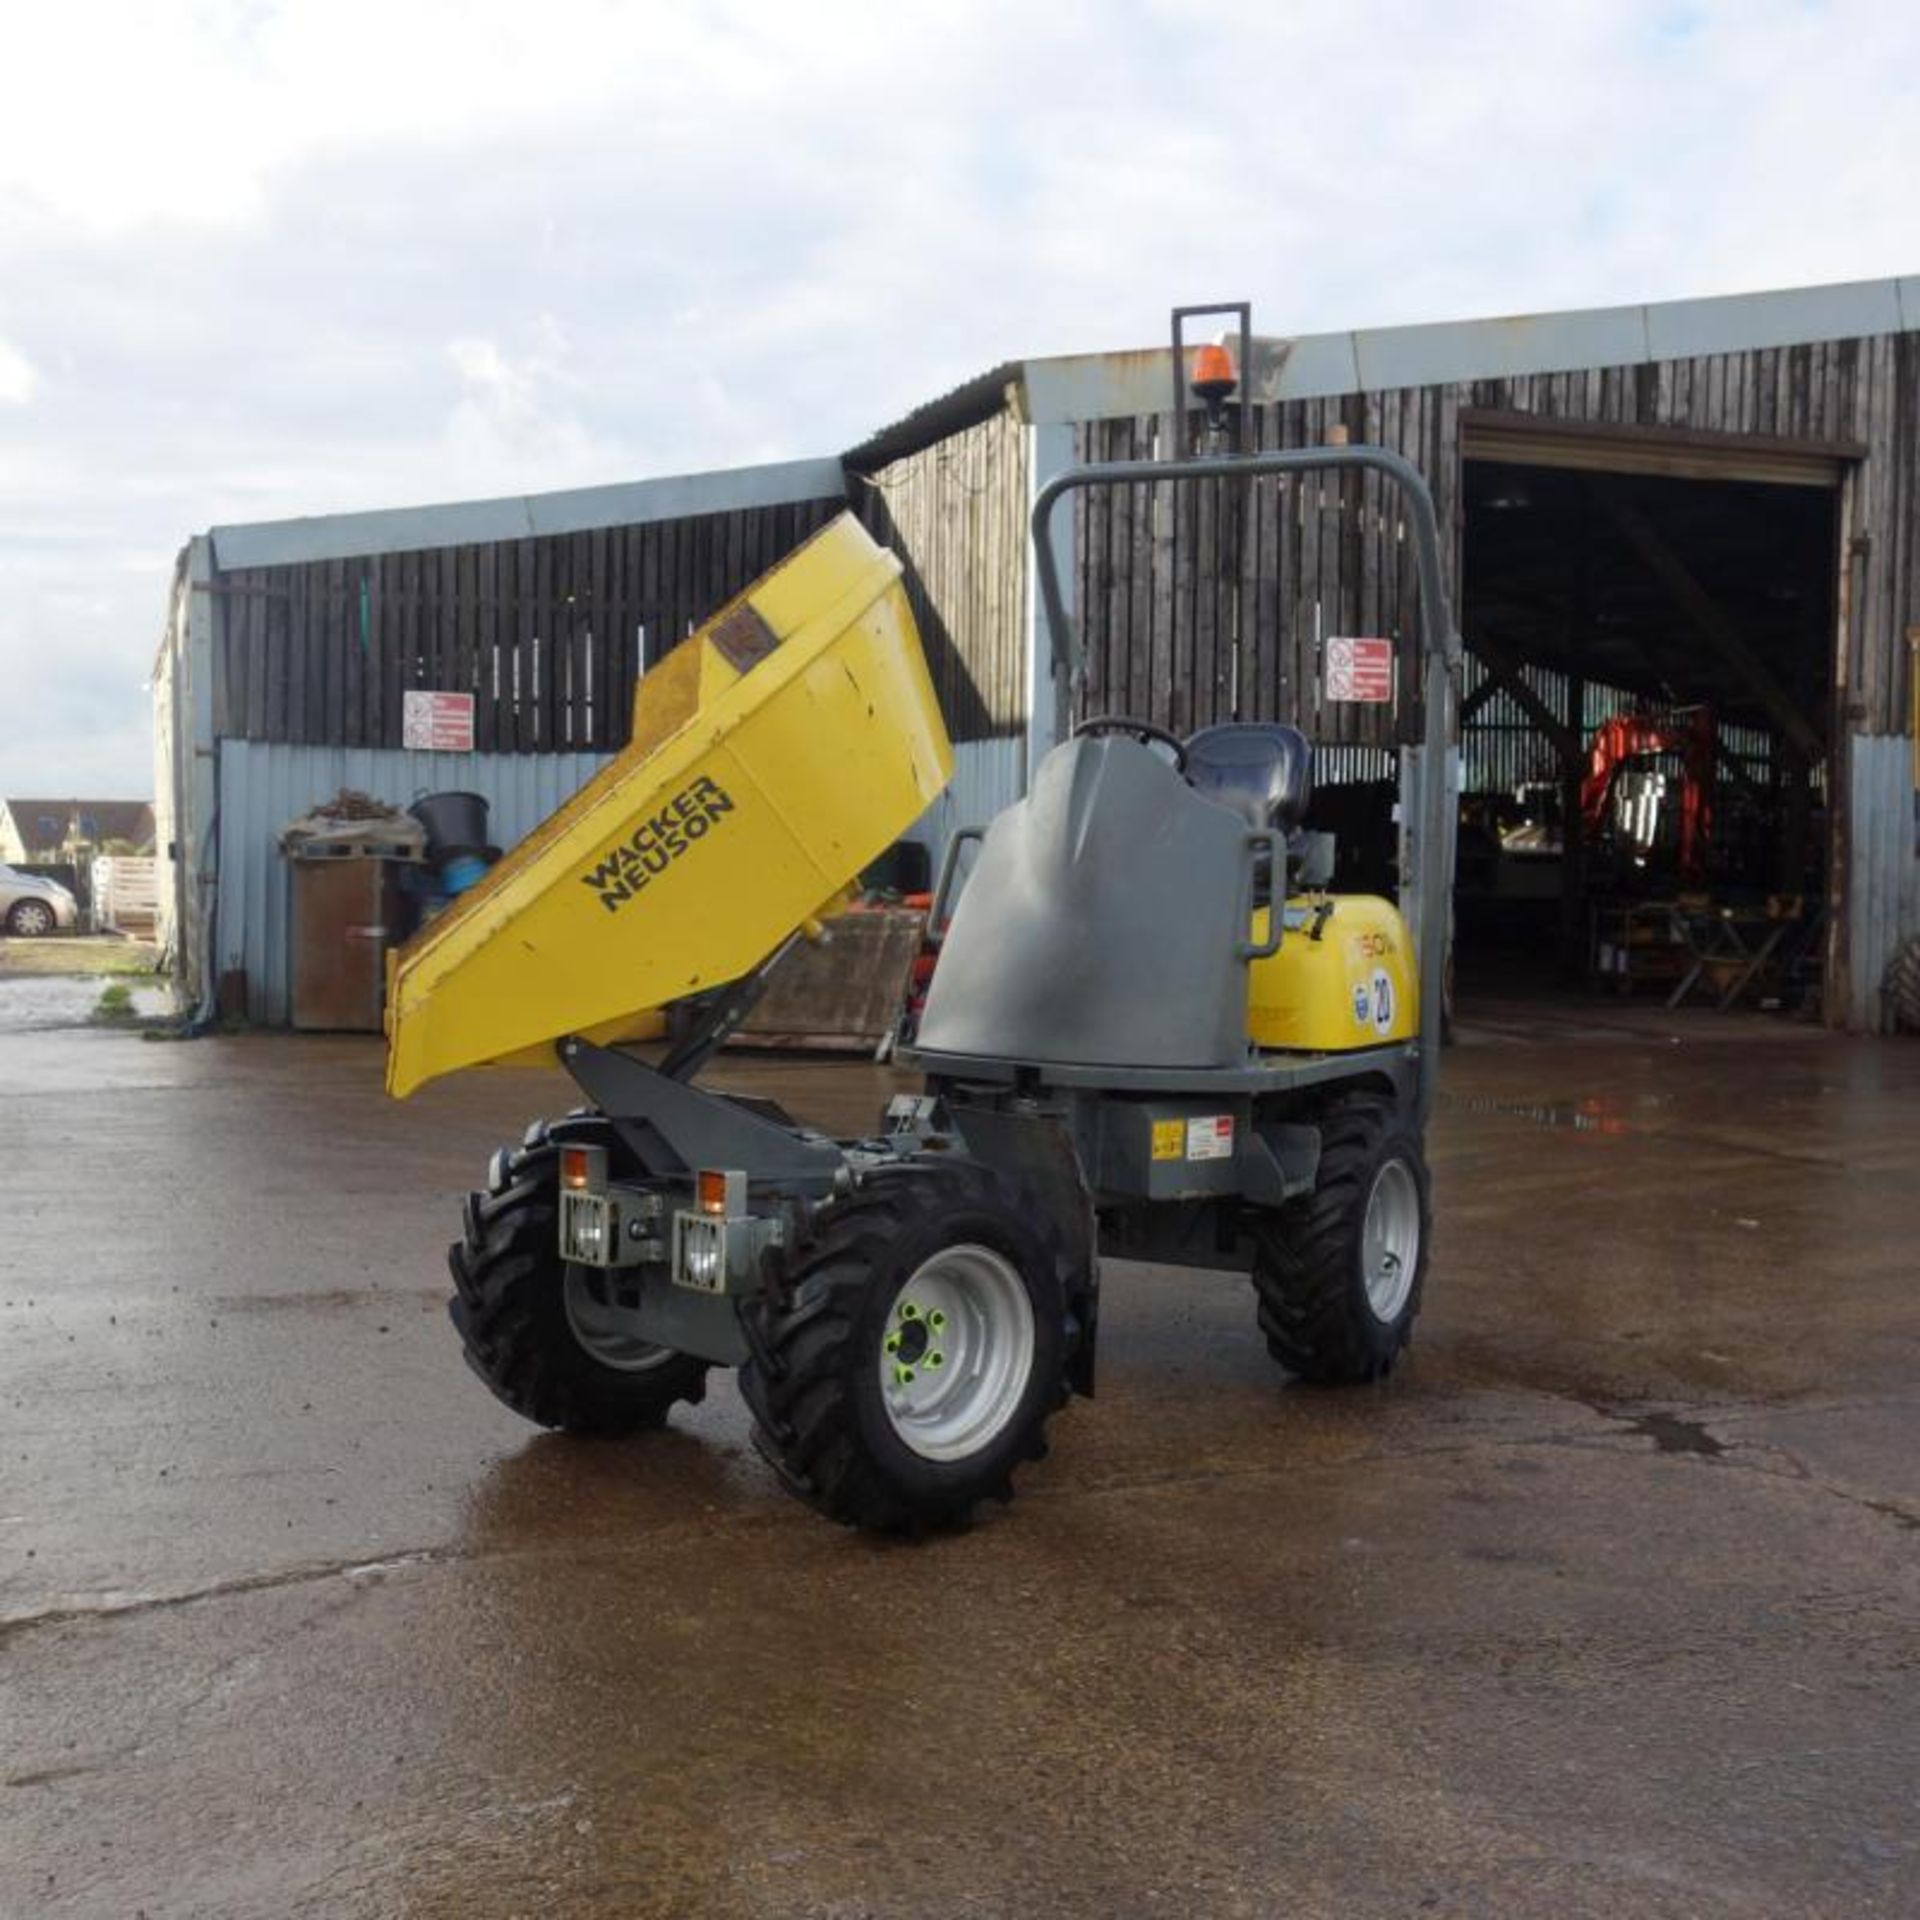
<point x="1101" y="924"/>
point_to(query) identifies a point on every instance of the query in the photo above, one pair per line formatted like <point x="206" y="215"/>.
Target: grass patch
<point x="77" y="953"/>
<point x="115" y="1003"/>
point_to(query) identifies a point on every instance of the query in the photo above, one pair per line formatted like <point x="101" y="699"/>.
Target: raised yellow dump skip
<point x="774" y="754"/>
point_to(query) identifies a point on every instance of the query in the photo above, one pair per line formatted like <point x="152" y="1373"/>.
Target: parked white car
<point x="31" y="906"/>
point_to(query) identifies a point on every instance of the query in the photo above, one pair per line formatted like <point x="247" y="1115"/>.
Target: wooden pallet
<point x="844" y="995"/>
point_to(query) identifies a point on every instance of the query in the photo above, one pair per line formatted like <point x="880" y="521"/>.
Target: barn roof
<point x="949" y="413"/>
<point x="1104" y="386"/>
<point x="342" y="536"/>
<point x="1094" y="386"/>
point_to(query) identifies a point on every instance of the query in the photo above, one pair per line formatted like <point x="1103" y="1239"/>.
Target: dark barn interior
<point x="1643" y="725"/>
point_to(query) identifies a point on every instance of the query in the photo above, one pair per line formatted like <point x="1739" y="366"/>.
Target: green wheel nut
<point x="893" y="1343"/>
<point x="936" y="1358"/>
<point x="936" y="1319"/>
<point x="908" y="1311"/>
<point x="906" y="1376"/>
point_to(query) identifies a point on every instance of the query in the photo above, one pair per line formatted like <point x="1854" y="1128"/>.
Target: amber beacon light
<point x="1214" y="378"/>
<point x="1212" y="375"/>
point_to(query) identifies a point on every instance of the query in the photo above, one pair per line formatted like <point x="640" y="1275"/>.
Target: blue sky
<point x="259" y="259"/>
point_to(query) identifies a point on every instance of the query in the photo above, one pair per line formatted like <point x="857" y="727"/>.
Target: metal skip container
<point x="774" y="755"/>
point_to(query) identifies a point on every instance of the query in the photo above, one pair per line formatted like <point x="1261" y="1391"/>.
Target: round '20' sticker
<point x="1382" y="1000"/>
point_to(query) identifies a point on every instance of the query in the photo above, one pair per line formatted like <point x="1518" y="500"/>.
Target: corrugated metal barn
<point x="1703" y="507"/>
<point x="289" y="648"/>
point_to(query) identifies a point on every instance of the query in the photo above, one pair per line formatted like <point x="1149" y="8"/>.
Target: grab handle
<point x="1269" y="842"/>
<point x="949" y="867"/>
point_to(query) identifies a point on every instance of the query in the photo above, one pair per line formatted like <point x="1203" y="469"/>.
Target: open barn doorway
<point x="1644" y="719"/>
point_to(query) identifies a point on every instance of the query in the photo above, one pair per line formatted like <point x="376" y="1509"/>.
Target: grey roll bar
<point x="1439" y="642"/>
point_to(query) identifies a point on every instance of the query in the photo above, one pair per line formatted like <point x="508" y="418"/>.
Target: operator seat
<point x="1258" y="769"/>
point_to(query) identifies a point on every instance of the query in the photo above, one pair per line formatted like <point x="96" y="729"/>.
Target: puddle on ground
<point x="1592" y="1115"/>
<point x="37" y="1002"/>
<point x="1671" y="1434"/>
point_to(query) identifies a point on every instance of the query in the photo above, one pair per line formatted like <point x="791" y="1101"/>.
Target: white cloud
<point x="514" y="427"/>
<point x="17" y="377"/>
<point x="286" y="256"/>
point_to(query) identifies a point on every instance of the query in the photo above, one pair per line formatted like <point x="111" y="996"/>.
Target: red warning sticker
<point x="1360" y="671"/>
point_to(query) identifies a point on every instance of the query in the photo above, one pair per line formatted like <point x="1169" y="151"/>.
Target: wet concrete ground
<point x="1608" y="1604"/>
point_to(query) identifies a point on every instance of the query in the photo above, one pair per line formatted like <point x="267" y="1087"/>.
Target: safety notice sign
<point x="436" y="722"/>
<point x="1360" y="671"/>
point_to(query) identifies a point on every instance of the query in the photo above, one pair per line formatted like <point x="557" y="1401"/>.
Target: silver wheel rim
<point x="33" y="919"/>
<point x="957" y="1352"/>
<point x="603" y="1332"/>
<point x="1390" y="1240"/>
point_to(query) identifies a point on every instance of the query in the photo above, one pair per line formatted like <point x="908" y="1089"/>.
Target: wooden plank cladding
<point x="956" y="514"/>
<point x="548" y="633"/>
<point x="1216" y="606"/>
<point x="1211" y="600"/>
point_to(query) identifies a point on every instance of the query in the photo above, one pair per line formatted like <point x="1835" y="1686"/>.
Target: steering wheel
<point x="1142" y="730"/>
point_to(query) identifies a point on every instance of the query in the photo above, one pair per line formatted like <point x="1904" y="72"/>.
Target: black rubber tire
<point x="43" y="916"/>
<point x="1902" y="988"/>
<point x="510" y="1309"/>
<point x="1308" y="1271"/>
<point x="814" y="1334"/>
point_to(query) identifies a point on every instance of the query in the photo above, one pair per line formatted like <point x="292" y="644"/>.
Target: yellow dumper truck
<point x="1151" y="1032"/>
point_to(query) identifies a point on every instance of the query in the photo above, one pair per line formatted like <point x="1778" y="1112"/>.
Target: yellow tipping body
<point x="1354" y="986"/>
<point x="774" y="755"/>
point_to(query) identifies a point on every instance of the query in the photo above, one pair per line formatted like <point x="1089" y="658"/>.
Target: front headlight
<point x="585" y="1228"/>
<point x="703" y="1261"/>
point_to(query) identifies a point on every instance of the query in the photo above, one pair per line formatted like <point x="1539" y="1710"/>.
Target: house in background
<point x="65" y="832"/>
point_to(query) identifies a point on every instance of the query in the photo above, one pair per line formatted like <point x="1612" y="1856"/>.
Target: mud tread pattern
<point x="1302" y="1275"/>
<point x="508" y="1308"/>
<point x="800" y="1333"/>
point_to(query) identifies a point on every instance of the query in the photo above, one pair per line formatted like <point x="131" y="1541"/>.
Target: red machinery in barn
<point x="1688" y="736"/>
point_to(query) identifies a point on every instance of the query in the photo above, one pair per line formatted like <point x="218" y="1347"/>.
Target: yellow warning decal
<point x="1169" y="1140"/>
